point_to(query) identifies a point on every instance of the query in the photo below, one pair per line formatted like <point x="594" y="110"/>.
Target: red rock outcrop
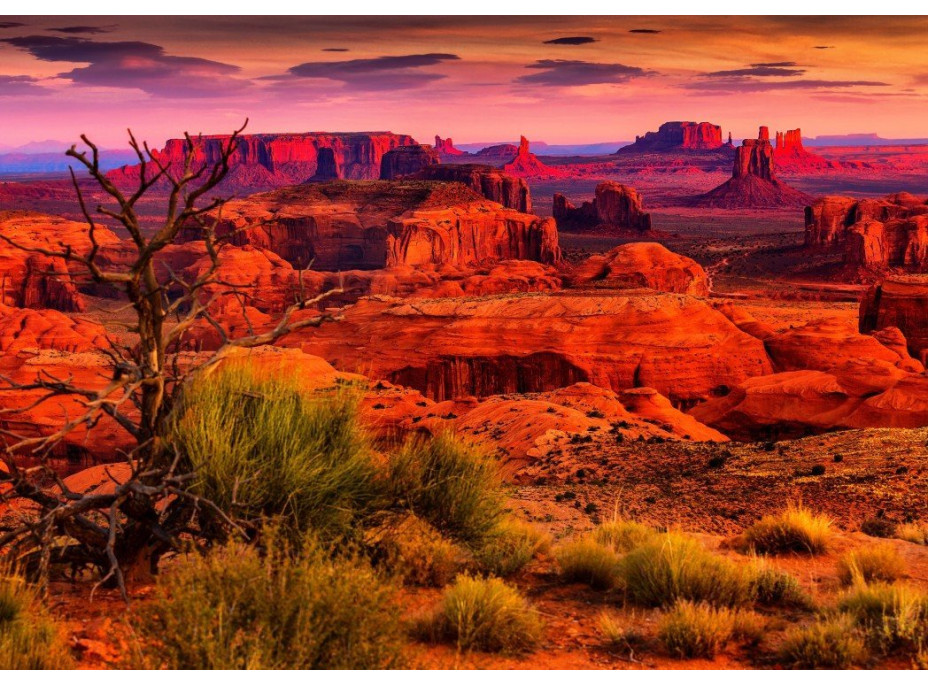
<point x="489" y="182"/>
<point x="500" y="152"/>
<point x="525" y="164"/>
<point x="642" y="265"/>
<point x="900" y="302"/>
<point x="406" y="160"/>
<point x="678" y="135"/>
<point x="753" y="183"/>
<point x="533" y="343"/>
<point x="791" y="156"/>
<point x="29" y="279"/>
<point x="272" y="160"/>
<point x="341" y="226"/>
<point x="445" y="146"/>
<point x="327" y="166"/>
<point x="615" y="207"/>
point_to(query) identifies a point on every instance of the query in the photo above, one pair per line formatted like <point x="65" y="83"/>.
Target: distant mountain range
<point x="43" y="157"/>
<point x="541" y="148"/>
<point x="860" y="139"/>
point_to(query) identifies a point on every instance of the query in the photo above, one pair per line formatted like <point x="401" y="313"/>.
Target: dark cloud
<point x="748" y="85"/>
<point x="133" y="64"/>
<point x="824" y="47"/>
<point x="578" y="73"/>
<point x="20" y="85"/>
<point x="10" y="24"/>
<point x="643" y="31"/>
<point x="390" y="72"/>
<point x="85" y="29"/>
<point x="774" y="64"/>
<point x="571" y="40"/>
<point x="334" y="49"/>
<point x="757" y="70"/>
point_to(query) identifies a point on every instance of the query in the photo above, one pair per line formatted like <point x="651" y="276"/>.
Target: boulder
<point x="642" y="265"/>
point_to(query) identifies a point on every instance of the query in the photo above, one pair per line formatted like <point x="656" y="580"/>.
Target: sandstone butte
<point x="445" y="146"/>
<point x="753" y="183"/>
<point x="826" y="376"/>
<point x="877" y="234"/>
<point x="273" y="160"/>
<point x="374" y="225"/>
<point x="32" y="280"/>
<point x="527" y="343"/>
<point x="791" y="155"/>
<point x="488" y="181"/>
<point x="642" y="265"/>
<point x="615" y="208"/>
<point x="526" y="165"/>
<point x="901" y="302"/>
<point x="678" y="135"/>
<point x="406" y="160"/>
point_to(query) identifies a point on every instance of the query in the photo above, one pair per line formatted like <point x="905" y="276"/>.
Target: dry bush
<point x="795" y="530"/>
<point x="619" y="634"/>
<point x="866" y="565"/>
<point x="484" y="614"/>
<point x="831" y="643"/>
<point x="691" y="630"/>
<point x="893" y="617"/>
<point x="623" y="535"/>
<point x="774" y="587"/>
<point x="913" y="532"/>
<point x="588" y="562"/>
<point x="413" y="550"/>
<point x="509" y="547"/>
<point x="29" y="639"/>
<point x="676" y="567"/>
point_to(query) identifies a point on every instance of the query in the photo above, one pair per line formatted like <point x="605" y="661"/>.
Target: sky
<point x="475" y="79"/>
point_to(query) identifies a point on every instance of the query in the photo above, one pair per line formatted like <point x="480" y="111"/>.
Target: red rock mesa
<point x="445" y="146"/>
<point x="678" y="135"/>
<point x="791" y="156"/>
<point x="406" y="160"/>
<point x="488" y="181"/>
<point x="614" y="207"/>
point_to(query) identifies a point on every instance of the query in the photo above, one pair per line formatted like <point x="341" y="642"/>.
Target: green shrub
<point x="588" y="562"/>
<point x="413" y="550"/>
<point x="237" y="609"/>
<point x="774" y="587"/>
<point x="453" y="485"/>
<point x="893" y="617"/>
<point x="509" y="547"/>
<point x="866" y="565"/>
<point x="828" y="644"/>
<point x="913" y="532"/>
<point x="29" y="639"/>
<point x="485" y="614"/>
<point x="623" y="535"/>
<point x="676" y="567"/>
<point x="795" y="530"/>
<point x="263" y="447"/>
<point x="691" y="630"/>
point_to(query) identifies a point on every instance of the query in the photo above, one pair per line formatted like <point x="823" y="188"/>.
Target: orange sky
<point x="472" y="78"/>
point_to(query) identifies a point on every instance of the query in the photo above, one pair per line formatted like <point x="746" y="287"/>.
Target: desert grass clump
<point x="867" y="565"/>
<point x="414" y="551"/>
<point x="588" y="562"/>
<point x="237" y="608"/>
<point x="508" y="547"/>
<point x="691" y="630"/>
<point x="29" y="639"/>
<point x="771" y="586"/>
<point x="623" y="535"/>
<point x="677" y="567"/>
<point x="913" y="532"/>
<point x="452" y="484"/>
<point x="830" y="643"/>
<point x="484" y="614"/>
<point x="892" y="616"/>
<point x="618" y="634"/>
<point x="795" y="530"/>
<point x="263" y="447"/>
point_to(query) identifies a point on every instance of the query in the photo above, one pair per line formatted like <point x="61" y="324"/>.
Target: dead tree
<point x="153" y="510"/>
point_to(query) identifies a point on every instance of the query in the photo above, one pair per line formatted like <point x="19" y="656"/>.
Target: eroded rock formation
<point x="445" y="146"/>
<point x="488" y="181"/>
<point x="406" y="160"/>
<point x="792" y="156"/>
<point x="326" y="166"/>
<point x="614" y="207"/>
<point x="642" y="265"/>
<point x="525" y="164"/>
<point x="753" y="183"/>
<point x="900" y="302"/>
<point x="678" y="135"/>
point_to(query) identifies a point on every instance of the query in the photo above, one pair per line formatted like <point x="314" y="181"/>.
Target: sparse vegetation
<point x="913" y="532"/>
<point x="773" y="587"/>
<point x="29" y="639"/>
<point x="238" y="609"/>
<point x="588" y="562"/>
<point x="892" y="616"/>
<point x="484" y="614"/>
<point x="509" y="547"/>
<point x="623" y="535"/>
<point x="452" y="484"/>
<point x="263" y="447"/>
<point x="831" y="643"/>
<point x="866" y="565"/>
<point x="618" y="634"/>
<point x="413" y="550"/>
<point x="677" y="567"/>
<point x="691" y="630"/>
<point x="795" y="530"/>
